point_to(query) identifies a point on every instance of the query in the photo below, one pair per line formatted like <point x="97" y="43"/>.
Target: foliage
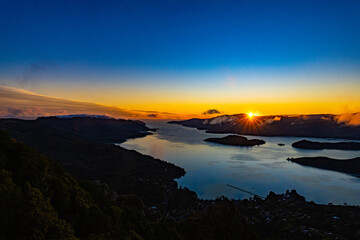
<point x="40" y="200"/>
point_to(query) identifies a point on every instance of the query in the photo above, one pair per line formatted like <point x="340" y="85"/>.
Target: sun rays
<point x="250" y="123"/>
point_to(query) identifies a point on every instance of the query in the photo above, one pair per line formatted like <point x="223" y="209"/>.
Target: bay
<point x="260" y="169"/>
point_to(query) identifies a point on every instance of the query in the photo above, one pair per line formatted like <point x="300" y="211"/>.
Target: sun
<point x="250" y="114"/>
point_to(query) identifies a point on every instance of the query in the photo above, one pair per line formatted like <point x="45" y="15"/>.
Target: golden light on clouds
<point x="24" y="104"/>
<point x="21" y="103"/>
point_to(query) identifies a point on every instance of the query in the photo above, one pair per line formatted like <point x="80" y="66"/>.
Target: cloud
<point x="275" y="119"/>
<point x="325" y="118"/>
<point x="155" y="112"/>
<point x="351" y="119"/>
<point x="19" y="103"/>
<point x="211" y="111"/>
<point x="19" y="112"/>
<point x="15" y="111"/>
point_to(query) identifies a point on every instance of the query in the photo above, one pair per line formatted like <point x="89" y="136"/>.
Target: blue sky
<point x="179" y="35"/>
<point x="171" y="43"/>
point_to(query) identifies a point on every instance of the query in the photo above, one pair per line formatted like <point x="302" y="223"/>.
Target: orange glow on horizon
<point x="34" y="104"/>
<point x="250" y="123"/>
<point x="251" y="115"/>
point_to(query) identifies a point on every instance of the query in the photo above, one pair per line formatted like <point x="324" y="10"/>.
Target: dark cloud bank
<point x="211" y="111"/>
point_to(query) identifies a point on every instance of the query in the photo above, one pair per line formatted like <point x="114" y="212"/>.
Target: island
<point x="305" y="144"/>
<point x="351" y="166"/>
<point x="235" y="140"/>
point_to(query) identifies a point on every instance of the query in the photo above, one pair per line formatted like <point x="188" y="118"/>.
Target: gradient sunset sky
<point x="185" y="57"/>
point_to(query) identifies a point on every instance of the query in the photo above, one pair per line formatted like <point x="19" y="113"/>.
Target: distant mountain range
<point x="92" y="128"/>
<point x="84" y="116"/>
<point x="319" y="125"/>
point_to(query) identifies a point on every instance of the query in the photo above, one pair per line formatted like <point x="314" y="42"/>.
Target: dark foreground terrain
<point x="235" y="140"/>
<point x="80" y="145"/>
<point x="305" y="144"/>
<point x="125" y="195"/>
<point x="321" y="125"/>
<point x="351" y="166"/>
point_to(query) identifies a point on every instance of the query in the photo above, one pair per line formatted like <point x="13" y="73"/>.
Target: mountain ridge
<point x="316" y="125"/>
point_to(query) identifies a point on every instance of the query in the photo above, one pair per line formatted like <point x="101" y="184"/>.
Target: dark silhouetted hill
<point x="87" y="128"/>
<point x="40" y="200"/>
<point x="80" y="145"/>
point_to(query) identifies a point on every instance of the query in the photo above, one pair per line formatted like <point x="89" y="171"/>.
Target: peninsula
<point x="351" y="166"/>
<point x="305" y="144"/>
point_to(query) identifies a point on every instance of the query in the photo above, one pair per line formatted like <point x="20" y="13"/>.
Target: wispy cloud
<point x="152" y="115"/>
<point x="23" y="104"/>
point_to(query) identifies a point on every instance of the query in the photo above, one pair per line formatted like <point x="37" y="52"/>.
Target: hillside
<point x="80" y="145"/>
<point x="40" y="200"/>
<point x="92" y="129"/>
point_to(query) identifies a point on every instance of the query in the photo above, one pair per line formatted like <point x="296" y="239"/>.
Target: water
<point x="260" y="169"/>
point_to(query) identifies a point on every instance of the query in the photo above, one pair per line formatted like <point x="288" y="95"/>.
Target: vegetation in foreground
<point x="40" y="200"/>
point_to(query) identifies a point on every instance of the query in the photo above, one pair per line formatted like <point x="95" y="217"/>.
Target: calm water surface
<point x="261" y="169"/>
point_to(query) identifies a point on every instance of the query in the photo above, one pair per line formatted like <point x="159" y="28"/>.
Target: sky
<point x="178" y="59"/>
